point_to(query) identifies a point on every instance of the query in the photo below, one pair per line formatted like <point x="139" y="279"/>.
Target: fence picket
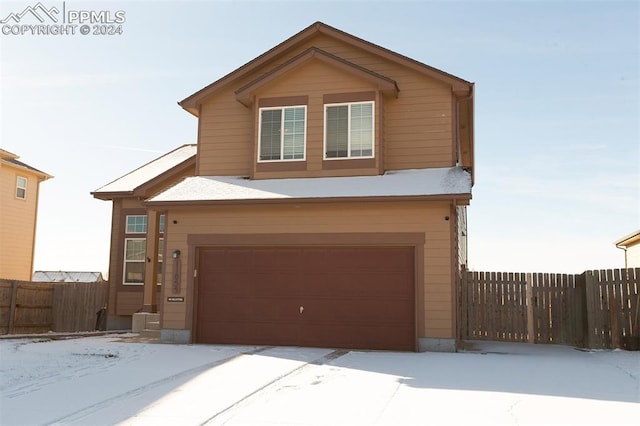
<point x="42" y="307"/>
<point x="596" y="309"/>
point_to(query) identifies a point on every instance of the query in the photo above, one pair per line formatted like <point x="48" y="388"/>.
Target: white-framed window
<point x="134" y="256"/>
<point x="136" y="224"/>
<point x="160" y="258"/>
<point x="135" y="249"/>
<point x="349" y="130"/>
<point x="282" y="133"/>
<point x="21" y="187"/>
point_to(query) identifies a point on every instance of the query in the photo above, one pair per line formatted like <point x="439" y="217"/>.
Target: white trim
<point x="126" y="224"/>
<point x="304" y="146"/>
<point x="24" y="188"/>
<point x="161" y="263"/>
<point x="373" y="131"/>
<point x="124" y="261"/>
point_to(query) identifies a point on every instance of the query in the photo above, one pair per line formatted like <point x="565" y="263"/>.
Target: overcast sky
<point x="557" y="111"/>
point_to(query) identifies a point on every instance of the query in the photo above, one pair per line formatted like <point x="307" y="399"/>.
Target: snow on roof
<point x="149" y="171"/>
<point x="67" y="276"/>
<point x="417" y="182"/>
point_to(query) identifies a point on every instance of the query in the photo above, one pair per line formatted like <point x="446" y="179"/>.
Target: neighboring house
<point x="67" y="277"/>
<point x="631" y="246"/>
<point x="327" y="206"/>
<point x="19" y="191"/>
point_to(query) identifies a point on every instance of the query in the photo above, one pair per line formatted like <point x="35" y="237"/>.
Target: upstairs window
<point x="282" y="133"/>
<point x="349" y="130"/>
<point x="21" y="188"/>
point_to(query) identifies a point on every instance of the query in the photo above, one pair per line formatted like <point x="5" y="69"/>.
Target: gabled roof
<point x="448" y="182"/>
<point x="134" y="182"/>
<point x="385" y="84"/>
<point x="67" y="277"/>
<point x="458" y="85"/>
<point x="11" y="159"/>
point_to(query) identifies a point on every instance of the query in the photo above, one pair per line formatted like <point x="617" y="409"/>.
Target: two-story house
<point x="327" y="205"/>
<point x="19" y="192"/>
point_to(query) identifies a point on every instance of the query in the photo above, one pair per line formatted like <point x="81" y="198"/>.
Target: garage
<point x="342" y="297"/>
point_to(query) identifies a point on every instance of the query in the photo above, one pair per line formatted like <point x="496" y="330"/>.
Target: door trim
<point x="416" y="240"/>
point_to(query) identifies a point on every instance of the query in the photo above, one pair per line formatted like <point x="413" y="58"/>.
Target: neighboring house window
<point x="349" y="130"/>
<point x="282" y="133"/>
<point x="134" y="254"/>
<point x="21" y="188"/>
<point x="135" y="250"/>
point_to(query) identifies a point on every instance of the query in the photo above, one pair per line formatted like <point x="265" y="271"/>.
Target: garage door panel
<point x="235" y="332"/>
<point x="251" y="309"/>
<point x="351" y="297"/>
<point x="356" y="310"/>
<point x="359" y="336"/>
<point x="362" y="284"/>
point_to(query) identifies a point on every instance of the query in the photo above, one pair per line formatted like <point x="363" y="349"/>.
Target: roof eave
<point x="39" y="173"/>
<point x="628" y="240"/>
<point x="384" y="84"/>
<point x="462" y="198"/>
<point x="458" y="85"/>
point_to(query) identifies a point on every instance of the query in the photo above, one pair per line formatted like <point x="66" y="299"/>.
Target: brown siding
<point x="225" y="141"/>
<point x="394" y="217"/>
<point x="128" y="303"/>
<point x="115" y="264"/>
<point x="418" y="125"/>
<point x="313" y="79"/>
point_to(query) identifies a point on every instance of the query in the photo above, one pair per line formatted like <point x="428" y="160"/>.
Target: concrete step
<point x="153" y="325"/>
<point x="150" y="334"/>
<point x="140" y="320"/>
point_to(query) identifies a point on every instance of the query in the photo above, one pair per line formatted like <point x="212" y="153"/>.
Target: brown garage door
<point x="343" y="297"/>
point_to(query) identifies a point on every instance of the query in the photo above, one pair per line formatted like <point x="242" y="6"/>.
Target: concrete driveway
<point x="491" y="383"/>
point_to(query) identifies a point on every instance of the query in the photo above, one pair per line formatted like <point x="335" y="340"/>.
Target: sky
<point x="557" y="111"/>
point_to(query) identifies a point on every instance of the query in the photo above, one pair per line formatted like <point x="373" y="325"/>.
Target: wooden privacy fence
<point x="27" y="307"/>
<point x="596" y="309"/>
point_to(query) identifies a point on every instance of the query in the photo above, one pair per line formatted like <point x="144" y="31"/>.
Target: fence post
<point x="463" y="306"/>
<point x="530" y="330"/>
<point x="580" y="311"/>
<point x="12" y="309"/>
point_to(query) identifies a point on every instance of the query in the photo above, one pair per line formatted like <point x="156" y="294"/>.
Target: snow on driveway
<point x="114" y="380"/>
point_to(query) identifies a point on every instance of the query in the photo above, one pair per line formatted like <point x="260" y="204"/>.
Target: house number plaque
<point x="175" y="299"/>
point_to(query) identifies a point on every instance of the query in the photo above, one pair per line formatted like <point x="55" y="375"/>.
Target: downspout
<point x="625" y="255"/>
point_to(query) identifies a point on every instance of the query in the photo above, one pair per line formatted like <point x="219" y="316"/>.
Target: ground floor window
<point x="134" y="254"/>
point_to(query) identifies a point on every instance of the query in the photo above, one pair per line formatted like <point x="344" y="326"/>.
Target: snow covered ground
<point x="117" y="379"/>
